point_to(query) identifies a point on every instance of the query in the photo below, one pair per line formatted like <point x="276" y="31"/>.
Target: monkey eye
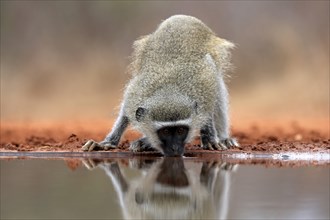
<point x="181" y="130"/>
<point x="165" y="131"/>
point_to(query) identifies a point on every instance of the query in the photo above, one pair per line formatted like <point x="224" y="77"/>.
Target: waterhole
<point x="118" y="186"/>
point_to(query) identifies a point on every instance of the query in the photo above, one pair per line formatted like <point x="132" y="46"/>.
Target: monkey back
<point x="180" y="57"/>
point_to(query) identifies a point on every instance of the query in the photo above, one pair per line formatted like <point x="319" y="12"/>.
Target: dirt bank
<point x="70" y="136"/>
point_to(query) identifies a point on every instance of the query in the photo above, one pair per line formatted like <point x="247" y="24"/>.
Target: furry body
<point x="177" y="80"/>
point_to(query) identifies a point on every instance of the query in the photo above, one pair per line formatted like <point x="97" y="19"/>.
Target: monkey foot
<point x="95" y="146"/>
<point x="140" y="145"/>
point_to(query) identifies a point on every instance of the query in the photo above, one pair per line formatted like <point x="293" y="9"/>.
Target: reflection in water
<point x="170" y="188"/>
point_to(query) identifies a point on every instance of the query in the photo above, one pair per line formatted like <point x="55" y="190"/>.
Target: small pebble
<point x="298" y="137"/>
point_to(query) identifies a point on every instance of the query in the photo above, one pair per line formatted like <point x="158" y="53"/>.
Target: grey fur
<point x="120" y="125"/>
<point x="175" y="69"/>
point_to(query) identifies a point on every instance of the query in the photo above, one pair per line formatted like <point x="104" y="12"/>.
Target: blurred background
<point x="67" y="59"/>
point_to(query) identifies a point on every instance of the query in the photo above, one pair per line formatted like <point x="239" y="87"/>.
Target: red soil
<point x="70" y="136"/>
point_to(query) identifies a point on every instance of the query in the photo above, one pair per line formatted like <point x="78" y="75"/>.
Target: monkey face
<point x="173" y="139"/>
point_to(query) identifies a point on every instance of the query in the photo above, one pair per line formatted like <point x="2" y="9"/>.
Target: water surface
<point x="179" y="188"/>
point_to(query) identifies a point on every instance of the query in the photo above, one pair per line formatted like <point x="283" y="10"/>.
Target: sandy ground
<point x="69" y="136"/>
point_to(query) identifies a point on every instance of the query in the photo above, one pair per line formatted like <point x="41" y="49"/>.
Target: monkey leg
<point x="141" y="145"/>
<point x="112" y="139"/>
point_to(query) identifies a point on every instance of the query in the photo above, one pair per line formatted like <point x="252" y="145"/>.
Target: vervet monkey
<point x="177" y="90"/>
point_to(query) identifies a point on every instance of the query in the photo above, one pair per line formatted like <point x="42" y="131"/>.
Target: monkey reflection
<point x="170" y="188"/>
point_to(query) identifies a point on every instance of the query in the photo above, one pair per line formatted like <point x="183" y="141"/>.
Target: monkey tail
<point x="220" y="50"/>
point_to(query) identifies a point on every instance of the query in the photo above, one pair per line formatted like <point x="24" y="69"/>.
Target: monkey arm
<point x="221" y="116"/>
<point x="113" y="138"/>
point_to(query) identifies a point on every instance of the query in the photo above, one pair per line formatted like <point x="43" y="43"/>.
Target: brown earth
<point x="69" y="136"/>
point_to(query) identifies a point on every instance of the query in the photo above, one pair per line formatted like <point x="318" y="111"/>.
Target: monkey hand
<point x="95" y="146"/>
<point x="224" y="144"/>
<point x="141" y="145"/>
<point x="228" y="143"/>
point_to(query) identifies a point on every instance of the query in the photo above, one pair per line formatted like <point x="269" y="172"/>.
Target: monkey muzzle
<point x="172" y="139"/>
<point x="173" y="150"/>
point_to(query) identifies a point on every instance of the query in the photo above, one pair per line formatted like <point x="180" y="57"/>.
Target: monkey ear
<point x="195" y="107"/>
<point x="140" y="113"/>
